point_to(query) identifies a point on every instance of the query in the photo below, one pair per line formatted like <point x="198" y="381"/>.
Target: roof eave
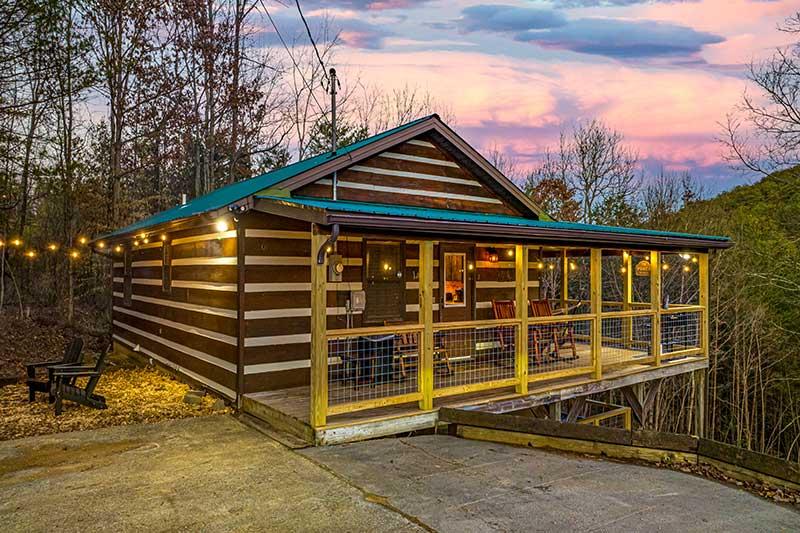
<point x="554" y="236"/>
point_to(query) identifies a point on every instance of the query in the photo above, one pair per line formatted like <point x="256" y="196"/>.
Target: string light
<point x="665" y="266"/>
<point x="136" y="243"/>
<point x="16" y="242"/>
<point x="82" y="240"/>
<point x="694" y="259"/>
<point x="74" y="254"/>
<point x="572" y="265"/>
<point x="686" y="257"/>
<point x="118" y="248"/>
<point x="540" y="265"/>
<point x="510" y="252"/>
<point x="551" y="266"/>
<point x="623" y="270"/>
<point x="2" y="244"/>
<point x="163" y="236"/>
<point x="101" y="245"/>
<point x="222" y="226"/>
<point x="146" y="240"/>
<point x="52" y="247"/>
<point x="30" y="254"/>
<point x="686" y="268"/>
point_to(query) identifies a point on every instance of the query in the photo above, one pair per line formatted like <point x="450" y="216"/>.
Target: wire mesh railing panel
<point x="680" y="331"/>
<point x="626" y="339"/>
<point x="555" y="346"/>
<point x="472" y="355"/>
<point x="372" y="367"/>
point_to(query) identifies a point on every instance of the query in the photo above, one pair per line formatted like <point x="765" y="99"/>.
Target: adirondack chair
<point x="406" y="351"/>
<point x="561" y="333"/>
<point x="72" y="356"/>
<point x="507" y="309"/>
<point x="65" y="387"/>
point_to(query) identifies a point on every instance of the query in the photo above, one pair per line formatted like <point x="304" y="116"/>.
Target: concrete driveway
<point x="457" y="485"/>
<point x="215" y="474"/>
<point x="200" y="474"/>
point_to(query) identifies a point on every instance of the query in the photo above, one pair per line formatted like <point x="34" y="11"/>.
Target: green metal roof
<point x="426" y="213"/>
<point x="230" y="194"/>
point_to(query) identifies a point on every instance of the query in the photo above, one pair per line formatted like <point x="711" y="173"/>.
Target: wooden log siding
<point x="191" y="329"/>
<point x="415" y="173"/>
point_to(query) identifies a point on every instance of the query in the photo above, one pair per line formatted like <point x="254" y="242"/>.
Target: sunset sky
<point x="664" y="73"/>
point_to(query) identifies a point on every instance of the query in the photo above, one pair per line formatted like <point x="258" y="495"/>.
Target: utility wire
<point x="310" y="38"/>
<point x="296" y="66"/>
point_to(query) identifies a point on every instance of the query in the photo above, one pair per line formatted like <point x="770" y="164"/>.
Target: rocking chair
<point x="561" y="333"/>
<point x="407" y="347"/>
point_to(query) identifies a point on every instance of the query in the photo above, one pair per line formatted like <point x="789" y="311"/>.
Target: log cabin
<point x="354" y="293"/>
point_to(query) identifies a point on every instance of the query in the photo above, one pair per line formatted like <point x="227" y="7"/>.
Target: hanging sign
<point x="643" y="268"/>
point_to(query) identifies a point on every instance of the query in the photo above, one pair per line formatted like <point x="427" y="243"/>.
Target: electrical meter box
<point x="358" y="300"/>
<point x="335" y="267"/>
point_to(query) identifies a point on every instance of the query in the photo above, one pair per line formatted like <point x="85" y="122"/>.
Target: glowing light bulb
<point x="665" y="266"/>
<point x="694" y="260"/>
<point x="136" y="243"/>
<point x="510" y="252"/>
<point x="163" y="236"/>
<point x="386" y="266"/>
<point x="222" y="226"/>
<point x="540" y="265"/>
<point x="118" y="248"/>
<point x="686" y="268"/>
<point x="52" y="247"/>
<point x="686" y="257"/>
<point x="551" y="266"/>
<point x="74" y="254"/>
<point x="82" y="240"/>
<point x="101" y="245"/>
<point x="572" y="266"/>
<point x="623" y="270"/>
<point x="329" y="249"/>
<point x="16" y="242"/>
<point x="470" y="266"/>
<point x="146" y="240"/>
<point x="30" y="254"/>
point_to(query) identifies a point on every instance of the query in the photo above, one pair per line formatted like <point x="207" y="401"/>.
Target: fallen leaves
<point x="134" y="396"/>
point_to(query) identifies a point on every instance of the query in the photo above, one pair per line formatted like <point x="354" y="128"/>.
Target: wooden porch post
<point x="627" y="294"/>
<point x="319" y="341"/>
<point x="564" y="280"/>
<point x="425" y="366"/>
<point x="596" y="291"/>
<point x="703" y="298"/>
<point x="521" y="295"/>
<point x="655" y="303"/>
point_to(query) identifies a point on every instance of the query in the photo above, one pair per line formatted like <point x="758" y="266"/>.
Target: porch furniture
<point x="561" y="333"/>
<point x="65" y="386"/>
<point x="503" y="309"/>
<point x="72" y="356"/>
<point x="374" y="359"/>
<point x="406" y="351"/>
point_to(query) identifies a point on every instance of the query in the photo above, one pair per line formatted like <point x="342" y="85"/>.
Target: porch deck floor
<point x="293" y="404"/>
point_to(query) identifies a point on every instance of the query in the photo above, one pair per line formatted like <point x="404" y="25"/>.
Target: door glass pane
<point x="455" y="277"/>
<point x="385" y="287"/>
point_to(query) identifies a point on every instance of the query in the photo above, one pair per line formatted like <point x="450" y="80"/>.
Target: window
<point x="384" y="285"/>
<point x="127" y="280"/>
<point x="455" y="280"/>
<point x="166" y="268"/>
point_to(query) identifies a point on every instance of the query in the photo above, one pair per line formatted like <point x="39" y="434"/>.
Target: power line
<point x="310" y="38"/>
<point x="291" y="56"/>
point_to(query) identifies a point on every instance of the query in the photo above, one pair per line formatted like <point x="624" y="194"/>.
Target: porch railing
<point x="379" y="367"/>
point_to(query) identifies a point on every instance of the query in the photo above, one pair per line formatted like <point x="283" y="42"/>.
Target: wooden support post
<point x="577" y="410"/>
<point x="699" y="380"/>
<point x="596" y="291"/>
<point x="655" y="303"/>
<point x="703" y="300"/>
<point x="564" y="280"/>
<point x="319" y="341"/>
<point x="633" y="402"/>
<point x="521" y="295"/>
<point x="425" y="372"/>
<point x="554" y="411"/>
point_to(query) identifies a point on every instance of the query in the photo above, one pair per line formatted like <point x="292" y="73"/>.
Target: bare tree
<point x="762" y="135"/>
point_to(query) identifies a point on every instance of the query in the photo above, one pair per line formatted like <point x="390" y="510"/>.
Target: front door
<point x="457" y="273"/>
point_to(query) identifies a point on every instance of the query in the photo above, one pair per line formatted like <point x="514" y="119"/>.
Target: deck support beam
<point x="319" y="341"/>
<point x="596" y="292"/>
<point x="699" y="419"/>
<point x="521" y="296"/>
<point x="425" y="367"/>
<point x="554" y="411"/>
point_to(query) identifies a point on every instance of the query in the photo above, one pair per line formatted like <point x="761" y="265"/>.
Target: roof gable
<point x="417" y="172"/>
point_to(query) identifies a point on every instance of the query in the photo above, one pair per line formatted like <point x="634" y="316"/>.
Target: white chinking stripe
<point x="412" y="192"/>
<point x="273" y="340"/>
<point x="204" y="261"/>
<point x="263" y="368"/>
<point x="180" y="326"/>
<point x="216" y="361"/>
<point x="144" y="246"/>
<point x="292" y="312"/>
<point x="414" y="308"/>
<point x="413" y="175"/>
<point x="231" y="234"/>
<point x="280" y="260"/>
<point x="208" y="310"/>
<point x="415" y="262"/>
<point x="288" y="287"/>
<point x="415" y="284"/>
<point x="418" y="159"/>
<point x="194" y="375"/>
<point x="421" y="143"/>
<point x="206" y="286"/>
<point x="150" y="263"/>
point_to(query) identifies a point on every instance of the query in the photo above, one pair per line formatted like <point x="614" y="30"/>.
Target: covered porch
<point x="602" y="309"/>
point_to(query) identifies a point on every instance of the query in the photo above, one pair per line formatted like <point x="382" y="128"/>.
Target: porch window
<point x="455" y="279"/>
<point x="384" y="284"/>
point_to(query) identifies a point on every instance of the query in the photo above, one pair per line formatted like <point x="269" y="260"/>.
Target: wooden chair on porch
<point x="561" y="333"/>
<point x="407" y="347"/>
<point x="503" y="309"/>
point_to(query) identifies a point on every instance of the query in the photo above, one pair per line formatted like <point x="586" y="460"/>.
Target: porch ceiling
<point x="383" y="218"/>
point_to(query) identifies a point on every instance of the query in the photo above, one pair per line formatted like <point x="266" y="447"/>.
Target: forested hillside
<point x="754" y="395"/>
